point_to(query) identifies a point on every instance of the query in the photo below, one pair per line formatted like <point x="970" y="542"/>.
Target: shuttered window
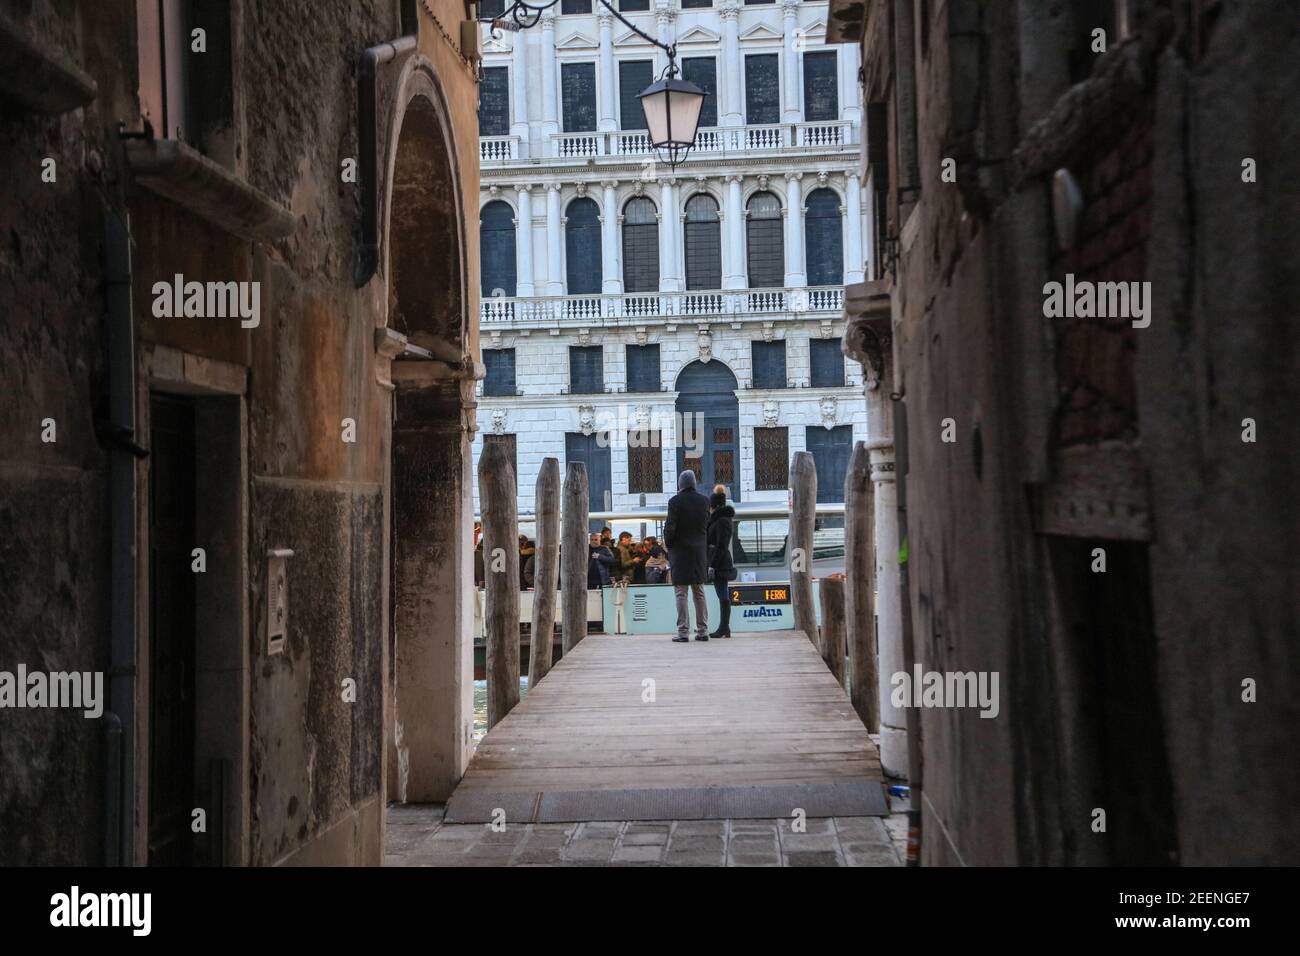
<point x="827" y="361"/>
<point x="640" y="246"/>
<point x="771" y="457"/>
<point x="586" y="370"/>
<point x="821" y="87"/>
<point x="824" y="238"/>
<point x="633" y="77"/>
<point x="703" y="243"/>
<point x="491" y="8"/>
<point x="575" y="6"/>
<point x="703" y="72"/>
<point x="762" y="89"/>
<point x="769" y="364"/>
<point x="633" y="5"/>
<point x="578" y="95"/>
<point x="494" y="102"/>
<point x="643" y="368"/>
<point x="582" y="247"/>
<point x="592" y="451"/>
<point x="500" y="365"/>
<point x="688" y="4"/>
<point x="765" y="241"/>
<point x="645" y="469"/>
<point x="497" y="248"/>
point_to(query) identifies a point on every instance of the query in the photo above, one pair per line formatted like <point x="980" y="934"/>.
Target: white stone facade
<point x="538" y="170"/>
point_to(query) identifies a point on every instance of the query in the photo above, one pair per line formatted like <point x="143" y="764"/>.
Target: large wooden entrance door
<point x="172" y="624"/>
<point x="708" y="432"/>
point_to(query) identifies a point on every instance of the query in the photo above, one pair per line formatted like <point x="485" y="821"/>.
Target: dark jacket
<point x="598" y="568"/>
<point x="719" y="534"/>
<point x="684" y="534"/>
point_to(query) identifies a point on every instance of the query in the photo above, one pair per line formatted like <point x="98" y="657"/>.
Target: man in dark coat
<point x="684" y="534"/>
<point x="720" y="562"/>
<point x="599" y="565"/>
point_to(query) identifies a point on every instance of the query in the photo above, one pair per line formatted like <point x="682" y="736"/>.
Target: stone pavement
<point x="416" y="836"/>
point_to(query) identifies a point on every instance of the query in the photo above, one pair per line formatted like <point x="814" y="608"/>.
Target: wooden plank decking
<point x="735" y="726"/>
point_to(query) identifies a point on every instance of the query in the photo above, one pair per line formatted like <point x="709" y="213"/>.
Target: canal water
<point x="480" y="706"/>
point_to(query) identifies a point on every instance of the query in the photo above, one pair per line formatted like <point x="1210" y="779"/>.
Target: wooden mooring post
<point x="546" y="576"/>
<point x="799" y="546"/>
<point x="860" y="585"/>
<point x="573" y="555"/>
<point x="499" y="504"/>
<point x="831" y="594"/>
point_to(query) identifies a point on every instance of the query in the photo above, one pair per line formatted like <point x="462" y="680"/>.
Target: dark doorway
<point x="831" y="448"/>
<point x="1108" y="622"/>
<point x="172" y="622"/>
<point x="708" y="429"/>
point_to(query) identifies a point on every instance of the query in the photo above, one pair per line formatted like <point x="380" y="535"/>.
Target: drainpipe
<point x="909" y="645"/>
<point x="368" y="143"/>
<point x="119" y="719"/>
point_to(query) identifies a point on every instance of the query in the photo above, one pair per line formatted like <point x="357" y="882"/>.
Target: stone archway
<point x="429" y="678"/>
<point x="708" y="416"/>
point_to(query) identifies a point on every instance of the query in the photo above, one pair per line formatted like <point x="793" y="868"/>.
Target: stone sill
<point x="36" y="78"/>
<point x="177" y="171"/>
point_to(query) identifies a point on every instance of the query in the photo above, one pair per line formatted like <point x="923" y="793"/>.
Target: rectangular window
<point x="827" y="362"/>
<point x="633" y="77"/>
<point x="632" y="6"/>
<point x="491" y="8"/>
<point x="494" y="102"/>
<point x="762" y="89"/>
<point x="643" y="368"/>
<point x="771" y="459"/>
<point x="511" y="452"/>
<point x="821" y="87"/>
<point x="586" y="370"/>
<point x="831" y="448"/>
<point x="500" y="365"/>
<point x="594" y="452"/>
<point x="703" y="72"/>
<point x="769" y="364"/>
<point x="689" y="4"/>
<point x="754" y="3"/>
<point x="578" y="96"/>
<point x="186" y="94"/>
<point x="575" y="6"/>
<point x="645" y="470"/>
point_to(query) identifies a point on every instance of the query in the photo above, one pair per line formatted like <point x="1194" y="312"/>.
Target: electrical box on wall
<point x="277" y="598"/>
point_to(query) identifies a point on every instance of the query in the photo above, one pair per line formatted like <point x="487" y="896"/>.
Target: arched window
<point x="763" y="233"/>
<point x="824" y="238"/>
<point x="703" y="243"/>
<point x="640" y="246"/>
<point x="582" y="246"/>
<point x="496" y="246"/>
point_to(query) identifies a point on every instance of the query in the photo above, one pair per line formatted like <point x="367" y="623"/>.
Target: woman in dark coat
<point x="724" y="569"/>
<point x="684" y="533"/>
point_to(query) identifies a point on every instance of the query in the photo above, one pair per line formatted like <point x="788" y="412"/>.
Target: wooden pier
<point x="640" y="728"/>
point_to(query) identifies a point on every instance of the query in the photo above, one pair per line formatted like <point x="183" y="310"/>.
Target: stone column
<point x="852" y="215"/>
<point x="519" y="93"/>
<point x="795" y="272"/>
<point x="732" y="106"/>
<point x="867" y="340"/>
<point x="611" y="273"/>
<point x="733" y="245"/>
<point x="792" y="107"/>
<point x="554" y="242"/>
<point x="524" y="241"/>
<point x="850" y="89"/>
<point x="608" y="121"/>
<point x="550" y="85"/>
<point x="666" y="21"/>
<point x="670" y="225"/>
